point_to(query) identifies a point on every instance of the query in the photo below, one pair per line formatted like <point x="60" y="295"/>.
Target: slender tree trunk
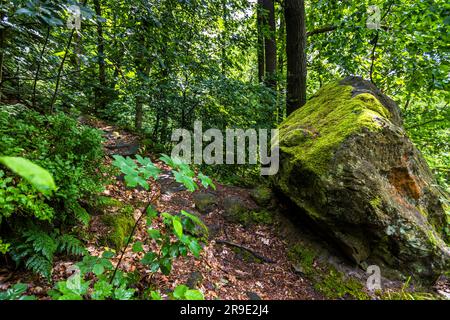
<point x="296" y="54"/>
<point x="2" y="49"/>
<point x="260" y="48"/>
<point x="280" y="65"/>
<point x="101" y="102"/>
<point x="139" y="112"/>
<point x="223" y="37"/>
<point x="36" y="76"/>
<point x="270" y="44"/>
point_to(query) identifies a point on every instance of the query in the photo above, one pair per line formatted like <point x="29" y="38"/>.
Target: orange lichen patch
<point x="404" y="182"/>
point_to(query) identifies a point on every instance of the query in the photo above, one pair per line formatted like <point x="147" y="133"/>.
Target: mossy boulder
<point x="235" y="208"/>
<point x="204" y="202"/>
<point x="347" y="163"/>
<point x="262" y="195"/>
<point x="119" y="220"/>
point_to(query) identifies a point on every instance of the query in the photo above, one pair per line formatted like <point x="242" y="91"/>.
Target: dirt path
<point x="221" y="272"/>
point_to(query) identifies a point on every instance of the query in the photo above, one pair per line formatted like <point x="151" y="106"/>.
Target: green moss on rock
<point x="262" y="195"/>
<point x="120" y="224"/>
<point x="313" y="132"/>
<point x="330" y="282"/>
<point x="335" y="285"/>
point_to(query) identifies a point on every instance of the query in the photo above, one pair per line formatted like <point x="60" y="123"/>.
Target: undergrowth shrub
<point x="33" y="225"/>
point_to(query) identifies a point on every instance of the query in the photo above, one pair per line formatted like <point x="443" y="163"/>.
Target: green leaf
<point x="206" y="181"/>
<point x="195" y="248"/>
<point x="102" y="290"/>
<point x="151" y="214"/>
<point x="108" y="254"/>
<point x="196" y="220"/>
<point x="155" y="295"/>
<point x="193" y="295"/>
<point x="154" y="233"/>
<point x="180" y="291"/>
<point x="39" y="178"/>
<point x="165" y="265"/>
<point x="98" y="269"/>
<point x="178" y="227"/>
<point x="137" y="247"/>
<point x="122" y="293"/>
<point x="187" y="181"/>
<point x="148" y="258"/>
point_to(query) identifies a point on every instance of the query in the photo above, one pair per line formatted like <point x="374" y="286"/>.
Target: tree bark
<point x="260" y="48"/>
<point x="296" y="54"/>
<point x="2" y="49"/>
<point x="36" y="76"/>
<point x="270" y="44"/>
<point x="101" y="102"/>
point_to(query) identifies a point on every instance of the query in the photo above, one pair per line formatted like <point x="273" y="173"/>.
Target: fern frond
<point x="70" y="245"/>
<point x="39" y="264"/>
<point x="42" y="243"/>
<point x="81" y="214"/>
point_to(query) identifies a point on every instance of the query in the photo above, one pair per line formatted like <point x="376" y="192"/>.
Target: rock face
<point x="347" y="163"/>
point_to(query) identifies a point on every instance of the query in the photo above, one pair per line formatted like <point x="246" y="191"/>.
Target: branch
<point x="321" y="30"/>
<point x="424" y="123"/>
<point x="256" y="254"/>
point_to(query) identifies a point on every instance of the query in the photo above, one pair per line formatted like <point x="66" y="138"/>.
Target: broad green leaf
<point x="154" y="233"/>
<point x="122" y="293"/>
<point x="206" y="181"/>
<point x="179" y="291"/>
<point x="195" y="248"/>
<point x="148" y="258"/>
<point x="39" y="178"/>
<point x="187" y="181"/>
<point x="102" y="290"/>
<point x="108" y="254"/>
<point x="196" y="220"/>
<point x="193" y="295"/>
<point x="155" y="295"/>
<point x="98" y="269"/>
<point x="178" y="227"/>
<point x="137" y="247"/>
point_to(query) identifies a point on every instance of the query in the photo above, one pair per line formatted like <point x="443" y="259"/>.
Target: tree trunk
<point x="139" y="113"/>
<point x="270" y="44"/>
<point x="36" y="76"/>
<point x="260" y="48"/>
<point x="2" y="49"/>
<point x="100" y="94"/>
<point x="294" y="12"/>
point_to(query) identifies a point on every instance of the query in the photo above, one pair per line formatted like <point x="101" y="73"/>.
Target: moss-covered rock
<point x="204" y="201"/>
<point x="347" y="163"/>
<point x="119" y="220"/>
<point x="262" y="195"/>
<point x="235" y="208"/>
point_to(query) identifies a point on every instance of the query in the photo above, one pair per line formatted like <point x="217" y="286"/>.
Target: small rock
<point x="235" y="208"/>
<point x="205" y="202"/>
<point x="195" y="278"/>
<point x="253" y="296"/>
<point x="262" y="195"/>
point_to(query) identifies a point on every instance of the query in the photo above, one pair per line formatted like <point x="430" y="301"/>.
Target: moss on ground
<point x="256" y="217"/>
<point x="330" y="282"/>
<point x="334" y="285"/>
<point x="119" y="220"/>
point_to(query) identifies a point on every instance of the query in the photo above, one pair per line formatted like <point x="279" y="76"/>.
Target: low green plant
<point x="178" y="235"/>
<point x="16" y="293"/>
<point x="72" y="156"/>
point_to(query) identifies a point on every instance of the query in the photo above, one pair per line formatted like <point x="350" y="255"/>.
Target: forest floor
<point x="221" y="272"/>
<point x="238" y="262"/>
